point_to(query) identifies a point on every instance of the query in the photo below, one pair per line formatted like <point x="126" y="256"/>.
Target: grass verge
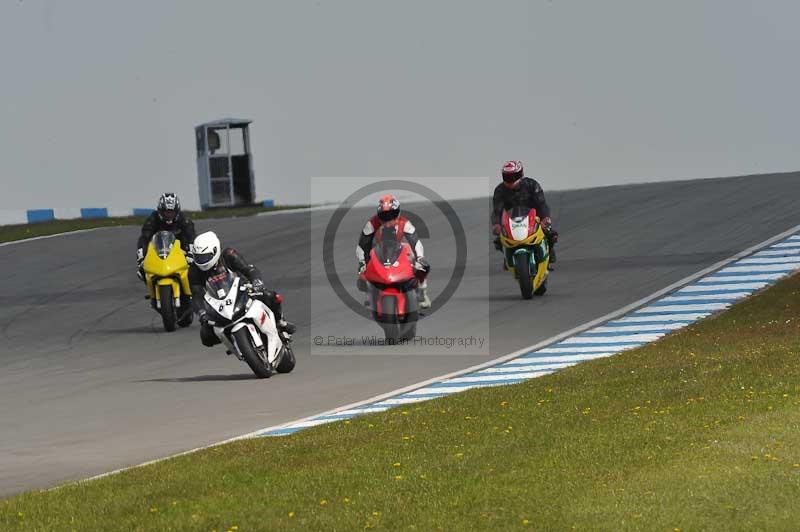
<point x="699" y="431"/>
<point x="9" y="233"/>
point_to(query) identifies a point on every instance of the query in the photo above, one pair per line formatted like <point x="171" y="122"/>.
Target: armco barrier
<point x="40" y="215"/>
<point x="94" y="212"/>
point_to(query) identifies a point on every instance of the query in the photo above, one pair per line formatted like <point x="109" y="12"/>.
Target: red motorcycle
<point x="392" y="282"/>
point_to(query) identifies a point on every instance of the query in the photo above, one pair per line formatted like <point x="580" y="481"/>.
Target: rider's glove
<point x="547" y="226"/>
<point x="203" y="318"/>
<point x="422" y="264"/>
<point x="497" y="229"/>
<point x="362" y="266"/>
<point x="258" y="285"/>
<point x="190" y="255"/>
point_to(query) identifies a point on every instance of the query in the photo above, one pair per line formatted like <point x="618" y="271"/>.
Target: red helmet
<point x="388" y="208"/>
<point x="512" y="173"/>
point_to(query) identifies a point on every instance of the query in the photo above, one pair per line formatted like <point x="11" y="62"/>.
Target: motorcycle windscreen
<point x="220" y="283"/>
<point x="520" y="211"/>
<point x="387" y="245"/>
<point x="163" y="242"/>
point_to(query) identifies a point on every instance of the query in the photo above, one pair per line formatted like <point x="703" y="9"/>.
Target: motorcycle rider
<point x="389" y="211"/>
<point x="166" y="217"/>
<point x="516" y="190"/>
<point x="211" y="259"/>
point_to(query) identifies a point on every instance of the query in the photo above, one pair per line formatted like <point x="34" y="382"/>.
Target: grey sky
<point x="99" y="98"/>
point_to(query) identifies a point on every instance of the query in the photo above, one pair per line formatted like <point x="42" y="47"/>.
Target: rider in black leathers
<point x="167" y="217"/>
<point x="516" y="190"/>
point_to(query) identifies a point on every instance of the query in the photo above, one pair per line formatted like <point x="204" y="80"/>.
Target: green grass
<point x="10" y="233"/>
<point x="699" y="431"/>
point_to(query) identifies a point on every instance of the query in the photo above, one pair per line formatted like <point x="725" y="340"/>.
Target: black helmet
<point x="512" y="172"/>
<point x="169" y="207"/>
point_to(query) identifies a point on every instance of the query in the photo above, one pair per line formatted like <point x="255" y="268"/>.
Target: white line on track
<point x="44" y="237"/>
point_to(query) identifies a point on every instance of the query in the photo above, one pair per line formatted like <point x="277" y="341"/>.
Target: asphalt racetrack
<point x="89" y="382"/>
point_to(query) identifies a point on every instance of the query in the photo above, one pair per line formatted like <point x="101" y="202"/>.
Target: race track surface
<point x="89" y="382"/>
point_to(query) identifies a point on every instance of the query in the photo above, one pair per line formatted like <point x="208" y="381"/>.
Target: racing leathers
<point x="527" y="193"/>
<point x="182" y="228"/>
<point x="235" y="262"/>
<point x="409" y="232"/>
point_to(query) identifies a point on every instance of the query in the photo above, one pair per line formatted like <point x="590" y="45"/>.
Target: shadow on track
<point x="207" y="378"/>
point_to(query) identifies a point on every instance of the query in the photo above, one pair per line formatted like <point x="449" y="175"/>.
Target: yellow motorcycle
<point x="526" y="251"/>
<point x="167" y="277"/>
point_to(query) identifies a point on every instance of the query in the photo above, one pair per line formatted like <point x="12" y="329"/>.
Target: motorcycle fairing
<point x="165" y="264"/>
<point x="257" y="317"/>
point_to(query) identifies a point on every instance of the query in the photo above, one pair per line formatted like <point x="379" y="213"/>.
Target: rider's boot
<point x="422" y="295"/>
<point x="552" y="257"/>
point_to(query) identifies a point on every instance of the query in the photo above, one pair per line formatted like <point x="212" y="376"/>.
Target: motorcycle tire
<point x="410" y="326"/>
<point x="168" y="317"/>
<point x="287" y="361"/>
<point x="522" y="263"/>
<point x="244" y="342"/>
<point x="391" y="324"/>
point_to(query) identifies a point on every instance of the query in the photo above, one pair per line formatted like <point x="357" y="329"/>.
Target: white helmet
<point x="207" y="250"/>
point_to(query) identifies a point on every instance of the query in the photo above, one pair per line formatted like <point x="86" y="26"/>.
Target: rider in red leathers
<point x="389" y="212"/>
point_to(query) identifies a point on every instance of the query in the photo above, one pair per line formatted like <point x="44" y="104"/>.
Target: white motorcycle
<point x="246" y="326"/>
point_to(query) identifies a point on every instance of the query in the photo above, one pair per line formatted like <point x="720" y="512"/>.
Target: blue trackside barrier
<point x="142" y="212"/>
<point x="40" y="215"/>
<point x="94" y="213"/>
<point x="269" y="203"/>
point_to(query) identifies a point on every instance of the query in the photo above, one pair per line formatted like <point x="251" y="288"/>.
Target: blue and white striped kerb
<point x="700" y="298"/>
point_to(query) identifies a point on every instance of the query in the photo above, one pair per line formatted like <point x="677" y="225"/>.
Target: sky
<point x="99" y="99"/>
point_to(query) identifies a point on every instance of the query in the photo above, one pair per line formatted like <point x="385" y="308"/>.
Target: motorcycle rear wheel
<point x="261" y="369"/>
<point x="522" y="263"/>
<point x="168" y="317"/>
<point x="287" y="361"/>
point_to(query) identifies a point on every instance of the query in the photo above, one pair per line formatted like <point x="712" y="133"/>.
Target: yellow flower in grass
<point x="323" y="502"/>
<point x="396" y="464"/>
<point x="290" y="514"/>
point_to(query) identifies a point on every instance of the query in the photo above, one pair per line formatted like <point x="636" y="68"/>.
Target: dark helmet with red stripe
<point x="512" y="172"/>
<point x="388" y="208"/>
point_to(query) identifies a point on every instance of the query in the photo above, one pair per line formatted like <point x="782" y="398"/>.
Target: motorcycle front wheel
<point x="391" y="325"/>
<point x="168" y="317"/>
<point x="245" y="344"/>
<point x="522" y="263"/>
